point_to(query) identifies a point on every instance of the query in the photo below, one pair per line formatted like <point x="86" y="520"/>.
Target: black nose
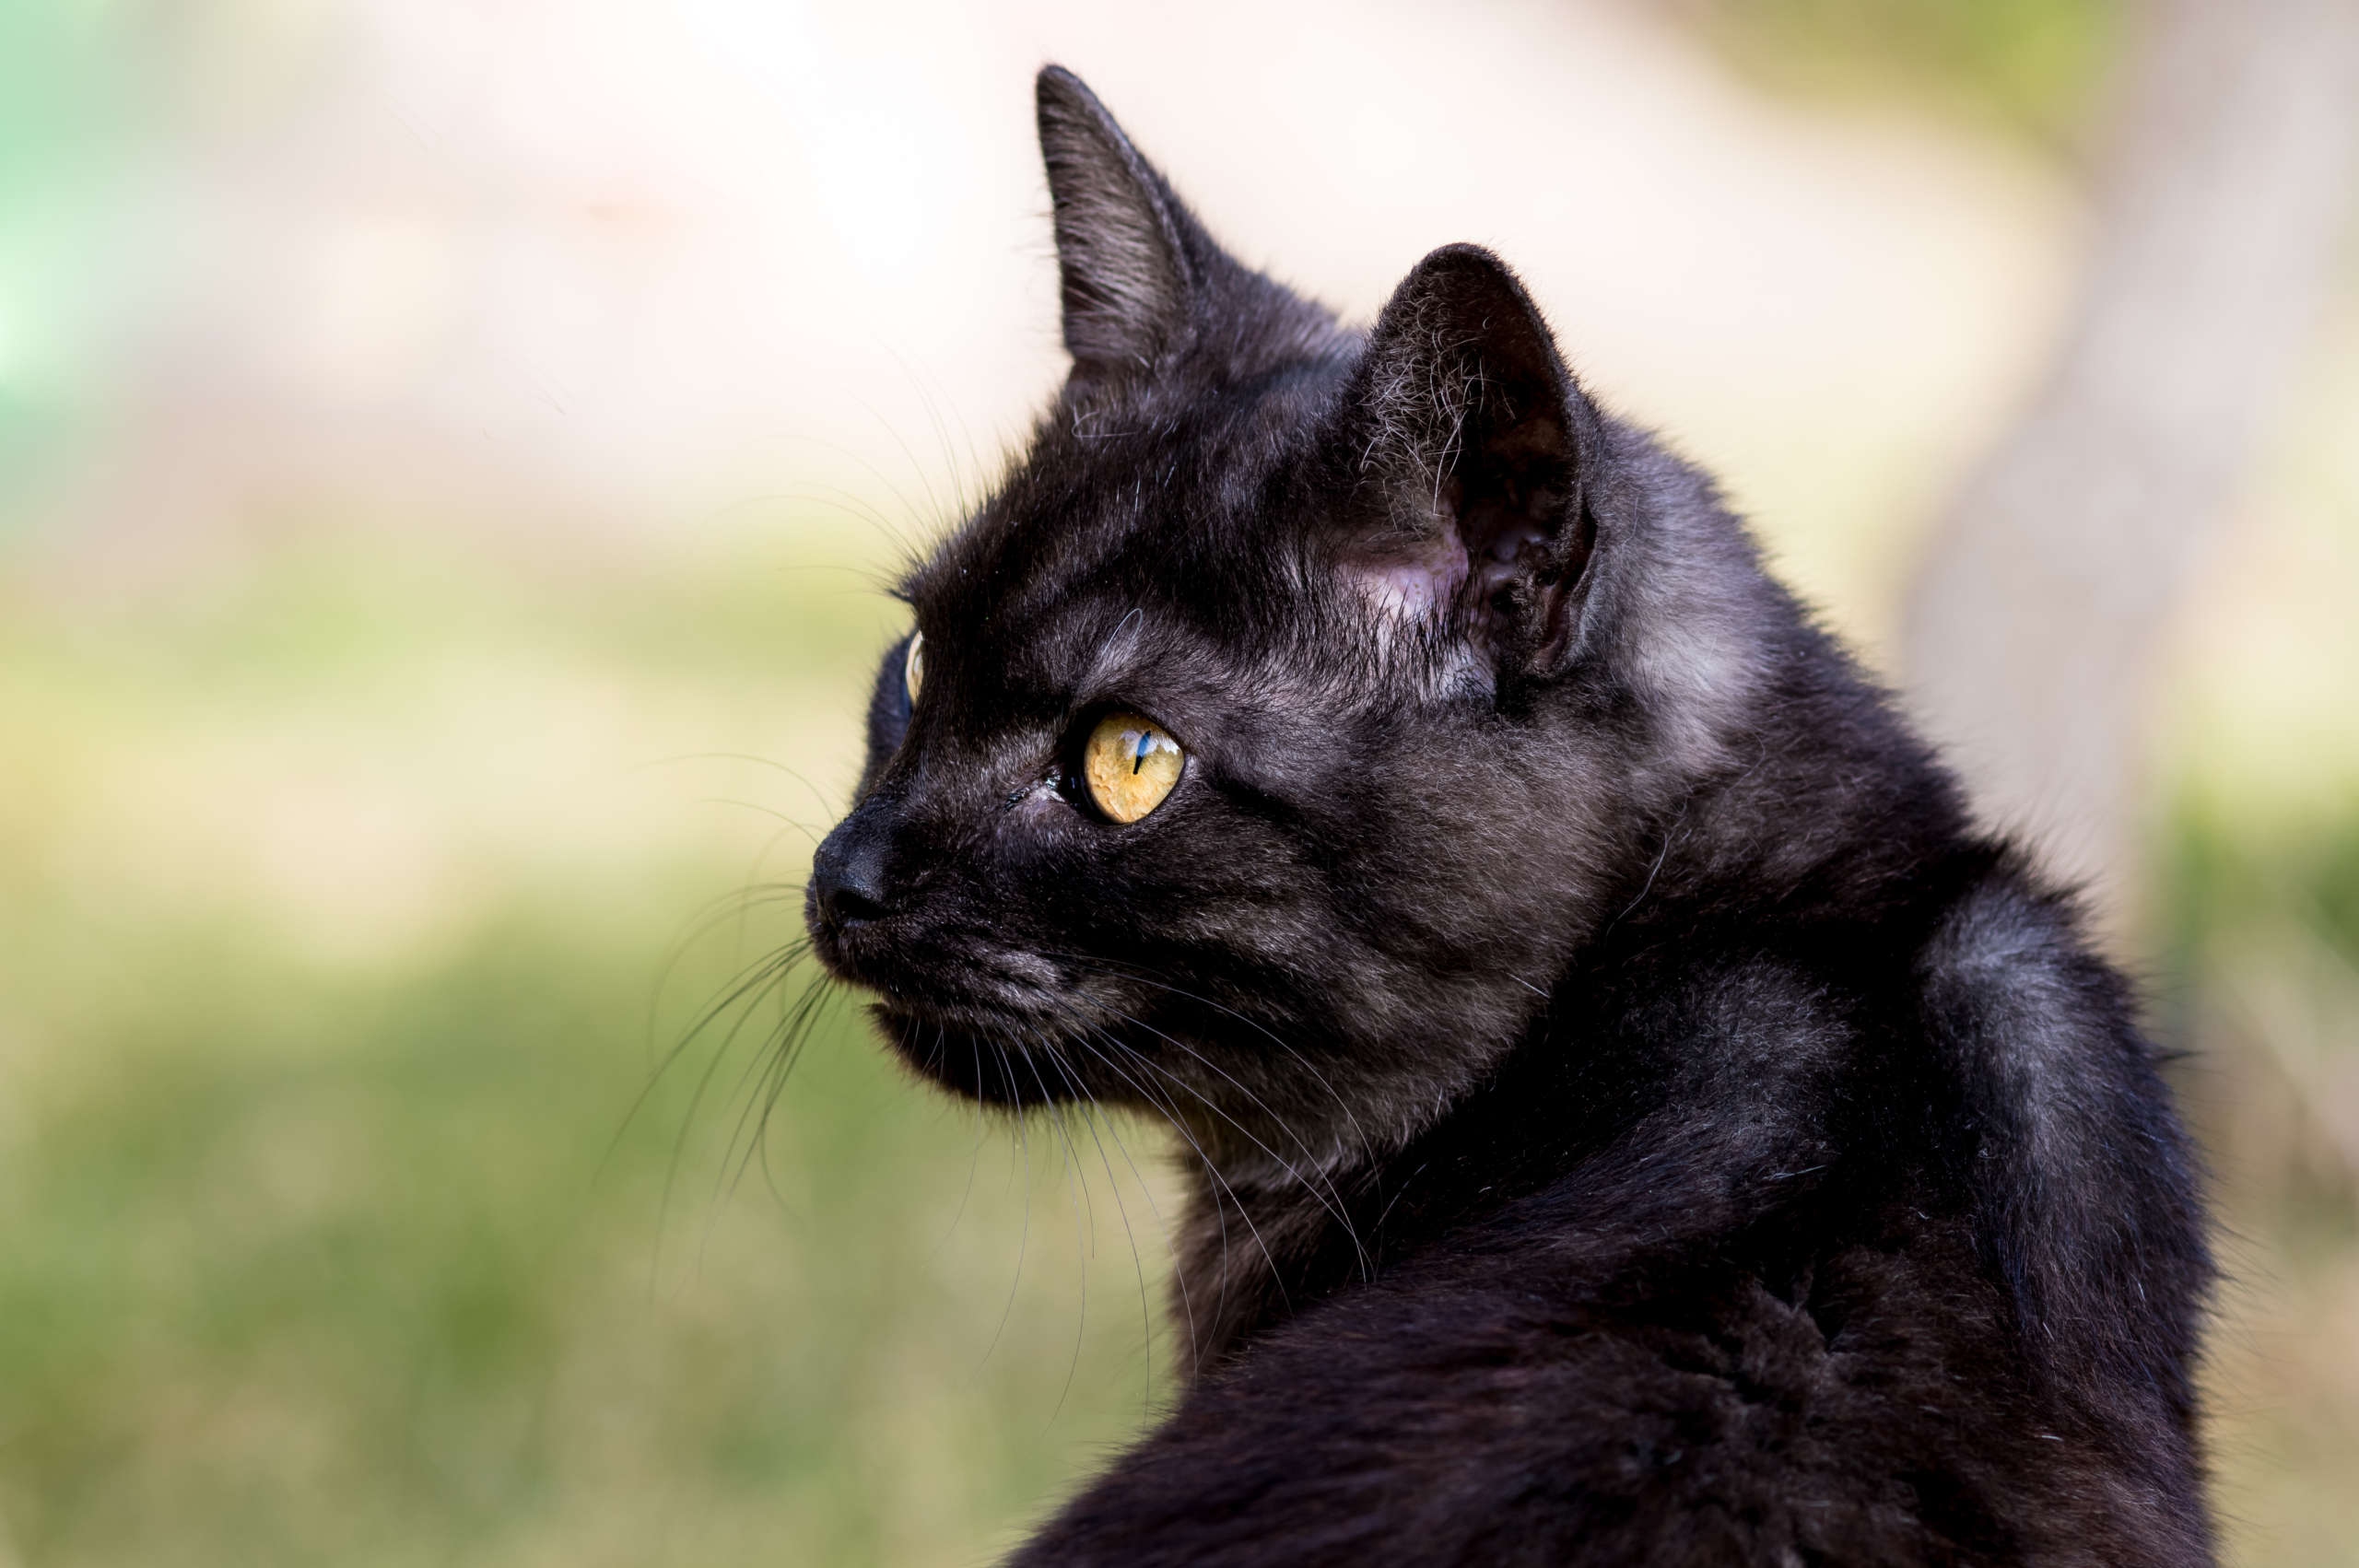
<point x="848" y="874"/>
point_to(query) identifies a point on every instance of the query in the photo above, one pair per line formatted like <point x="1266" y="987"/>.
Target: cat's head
<point x="1270" y="741"/>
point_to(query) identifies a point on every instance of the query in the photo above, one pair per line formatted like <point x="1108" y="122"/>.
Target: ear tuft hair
<point x="1474" y="432"/>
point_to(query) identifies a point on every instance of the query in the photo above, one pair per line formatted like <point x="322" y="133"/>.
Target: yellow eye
<point x="1130" y="765"/>
<point x="914" y="668"/>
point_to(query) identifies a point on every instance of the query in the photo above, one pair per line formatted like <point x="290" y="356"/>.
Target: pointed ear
<point x="1128" y="281"/>
<point x="1476" y="439"/>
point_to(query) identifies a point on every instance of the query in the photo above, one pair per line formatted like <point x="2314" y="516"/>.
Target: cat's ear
<point x="1128" y="281"/>
<point x="1471" y="437"/>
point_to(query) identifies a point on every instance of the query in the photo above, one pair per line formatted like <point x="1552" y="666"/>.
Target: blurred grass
<point x="360" y="1246"/>
<point x="337" y="881"/>
<point x="2259" y="986"/>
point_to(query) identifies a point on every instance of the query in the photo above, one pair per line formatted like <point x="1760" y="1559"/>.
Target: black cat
<point x="1634" y="1116"/>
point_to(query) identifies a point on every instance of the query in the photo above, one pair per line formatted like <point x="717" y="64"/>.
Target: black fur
<point x="1633" y="1115"/>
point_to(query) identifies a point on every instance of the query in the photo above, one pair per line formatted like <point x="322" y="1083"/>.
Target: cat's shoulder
<point x="1516" y="1402"/>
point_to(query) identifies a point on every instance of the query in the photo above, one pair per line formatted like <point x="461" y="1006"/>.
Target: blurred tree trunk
<point x="2044" y="597"/>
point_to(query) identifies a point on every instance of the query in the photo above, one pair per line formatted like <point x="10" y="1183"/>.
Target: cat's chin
<point x="980" y="1063"/>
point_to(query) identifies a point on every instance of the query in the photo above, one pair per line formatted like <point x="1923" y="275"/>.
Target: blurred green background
<point x="316" y="1254"/>
<point x="404" y="788"/>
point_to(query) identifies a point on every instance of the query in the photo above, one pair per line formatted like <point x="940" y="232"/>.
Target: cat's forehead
<point x="1175" y="514"/>
<point x="1032" y="634"/>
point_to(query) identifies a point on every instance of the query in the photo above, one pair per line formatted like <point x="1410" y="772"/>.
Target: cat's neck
<point x="1760" y="859"/>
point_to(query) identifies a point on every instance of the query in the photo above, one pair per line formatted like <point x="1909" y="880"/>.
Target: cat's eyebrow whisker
<point x="1117" y="642"/>
<point x="932" y="508"/>
<point x="852" y="503"/>
<point x="827" y="805"/>
<point x="956" y="474"/>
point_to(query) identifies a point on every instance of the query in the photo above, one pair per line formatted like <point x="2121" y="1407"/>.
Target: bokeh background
<point x="448" y="456"/>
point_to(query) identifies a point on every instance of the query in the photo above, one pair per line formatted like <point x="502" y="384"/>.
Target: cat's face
<point x="1257" y="763"/>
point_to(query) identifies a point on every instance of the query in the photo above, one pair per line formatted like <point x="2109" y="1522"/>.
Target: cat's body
<point x="1633" y="1118"/>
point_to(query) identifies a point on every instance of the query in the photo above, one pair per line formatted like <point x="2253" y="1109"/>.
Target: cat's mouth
<point x="1004" y="1026"/>
<point x="938" y="978"/>
<point x="1012" y="1029"/>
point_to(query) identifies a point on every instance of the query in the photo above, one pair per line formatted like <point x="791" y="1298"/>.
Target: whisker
<point x="1135" y="972"/>
<point x="1220" y="1209"/>
<point x="803" y="827"/>
<point x="1023" y="1240"/>
<point x="760" y="979"/>
<point x="785" y="1040"/>
<point x="688" y="1036"/>
<point x="1212" y="1168"/>
<point x="1084" y="1101"/>
<point x="1078" y="1197"/>
<point x="1180" y="1277"/>
<point x="826" y="803"/>
<point x="975" y="1158"/>
<point x="777" y="1060"/>
<point x="1332" y="1199"/>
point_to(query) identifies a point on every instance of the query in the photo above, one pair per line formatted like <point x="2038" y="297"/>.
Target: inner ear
<point x="1472" y="430"/>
